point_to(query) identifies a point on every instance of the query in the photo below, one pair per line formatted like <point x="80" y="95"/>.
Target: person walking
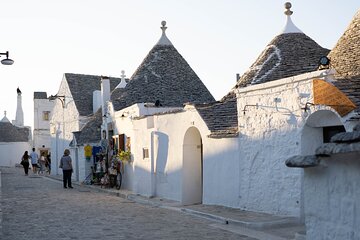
<point x="25" y="162"/>
<point x="48" y="163"/>
<point x="42" y="162"/>
<point x="66" y="165"/>
<point x="34" y="160"/>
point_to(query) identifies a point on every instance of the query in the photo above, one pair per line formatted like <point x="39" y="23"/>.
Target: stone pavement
<point x="214" y="220"/>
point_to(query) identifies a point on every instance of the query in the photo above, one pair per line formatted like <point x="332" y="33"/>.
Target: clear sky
<point x="218" y="38"/>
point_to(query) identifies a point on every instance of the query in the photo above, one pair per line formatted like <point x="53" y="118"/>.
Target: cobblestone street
<point x="35" y="207"/>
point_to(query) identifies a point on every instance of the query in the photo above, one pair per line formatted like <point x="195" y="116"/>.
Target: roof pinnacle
<point x="288" y="12"/>
<point x="122" y="74"/>
<point x="163" y="28"/>
<point x="290" y="26"/>
<point x="123" y="82"/>
<point x="164" y="40"/>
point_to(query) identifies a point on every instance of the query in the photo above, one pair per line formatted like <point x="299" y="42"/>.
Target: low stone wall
<point x="332" y="197"/>
<point x="1" y="231"/>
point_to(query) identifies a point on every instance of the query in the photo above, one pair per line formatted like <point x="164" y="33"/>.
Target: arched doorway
<point x="192" y="167"/>
<point x="318" y="129"/>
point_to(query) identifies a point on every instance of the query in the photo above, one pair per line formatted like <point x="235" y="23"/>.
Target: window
<point x="145" y="153"/>
<point x="46" y="115"/>
<point x="329" y="132"/>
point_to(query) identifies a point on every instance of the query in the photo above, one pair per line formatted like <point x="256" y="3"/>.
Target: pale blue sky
<point x="218" y="38"/>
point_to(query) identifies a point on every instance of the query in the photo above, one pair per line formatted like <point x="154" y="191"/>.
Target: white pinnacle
<point x="122" y="83"/>
<point x="289" y="26"/>
<point x="164" y="40"/>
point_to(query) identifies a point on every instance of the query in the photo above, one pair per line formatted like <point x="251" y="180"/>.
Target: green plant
<point x="125" y="156"/>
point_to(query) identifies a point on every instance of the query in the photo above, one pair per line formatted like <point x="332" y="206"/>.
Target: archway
<point x="192" y="169"/>
<point x="318" y="129"/>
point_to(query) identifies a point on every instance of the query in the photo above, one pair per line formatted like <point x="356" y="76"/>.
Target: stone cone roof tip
<point x="289" y="26"/>
<point x="164" y="39"/>
<point x="289" y="54"/>
<point x="123" y="82"/>
<point x="163" y="75"/>
<point x="5" y="119"/>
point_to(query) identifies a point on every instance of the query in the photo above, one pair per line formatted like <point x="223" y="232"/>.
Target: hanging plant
<point x="125" y="156"/>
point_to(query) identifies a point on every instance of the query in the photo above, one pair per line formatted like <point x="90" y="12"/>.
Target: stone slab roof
<point x="345" y="56"/>
<point x="117" y="92"/>
<point x="163" y="75"/>
<point x="91" y="131"/>
<point x="220" y="117"/>
<point x="11" y="133"/>
<point x="351" y="88"/>
<point x="40" y="95"/>
<point x="82" y="87"/>
<point x="345" y="59"/>
<point x="287" y="55"/>
<point x="344" y="142"/>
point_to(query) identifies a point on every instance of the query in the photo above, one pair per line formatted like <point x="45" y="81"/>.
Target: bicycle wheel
<point x="118" y="181"/>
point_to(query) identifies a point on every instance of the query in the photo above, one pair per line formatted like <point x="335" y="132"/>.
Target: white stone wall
<point x="247" y="172"/>
<point x="84" y="165"/>
<point x="41" y="126"/>
<point x="270" y="132"/>
<point x="64" y="121"/>
<point x="138" y="174"/>
<point x="161" y="174"/>
<point x="12" y="153"/>
<point x="332" y="198"/>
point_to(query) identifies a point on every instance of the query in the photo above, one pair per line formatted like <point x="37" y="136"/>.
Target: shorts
<point x="34" y="165"/>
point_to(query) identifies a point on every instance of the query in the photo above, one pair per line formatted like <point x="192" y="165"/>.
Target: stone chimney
<point x="96" y="100"/>
<point x="19" y="119"/>
<point x="105" y="94"/>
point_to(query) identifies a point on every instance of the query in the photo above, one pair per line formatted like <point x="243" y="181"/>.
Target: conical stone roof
<point x="345" y="59"/>
<point x="345" y="56"/>
<point x="288" y="54"/>
<point x="11" y="133"/>
<point x="82" y="87"/>
<point x="90" y="133"/>
<point x="163" y="75"/>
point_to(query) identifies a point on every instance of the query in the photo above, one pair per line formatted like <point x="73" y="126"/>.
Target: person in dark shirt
<point x="66" y="165"/>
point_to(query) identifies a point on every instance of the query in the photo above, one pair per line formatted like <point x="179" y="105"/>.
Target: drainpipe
<point x="58" y="132"/>
<point x="152" y="169"/>
<point x="105" y="97"/>
<point x="154" y="146"/>
<point x="77" y="163"/>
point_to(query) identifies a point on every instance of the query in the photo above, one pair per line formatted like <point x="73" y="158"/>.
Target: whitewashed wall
<point x="64" y="121"/>
<point x="332" y="198"/>
<point x="247" y="172"/>
<point x="137" y="175"/>
<point x="42" y="127"/>
<point x="270" y="132"/>
<point x="84" y="165"/>
<point x="12" y="153"/>
<point x="161" y="174"/>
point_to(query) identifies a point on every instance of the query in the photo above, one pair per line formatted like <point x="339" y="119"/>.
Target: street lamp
<point x="7" y="61"/>
<point x="61" y="98"/>
<point x="58" y="131"/>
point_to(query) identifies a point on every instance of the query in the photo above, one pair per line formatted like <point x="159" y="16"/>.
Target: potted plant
<point x="125" y="156"/>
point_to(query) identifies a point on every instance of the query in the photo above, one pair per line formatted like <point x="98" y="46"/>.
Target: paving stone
<point x="38" y="208"/>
